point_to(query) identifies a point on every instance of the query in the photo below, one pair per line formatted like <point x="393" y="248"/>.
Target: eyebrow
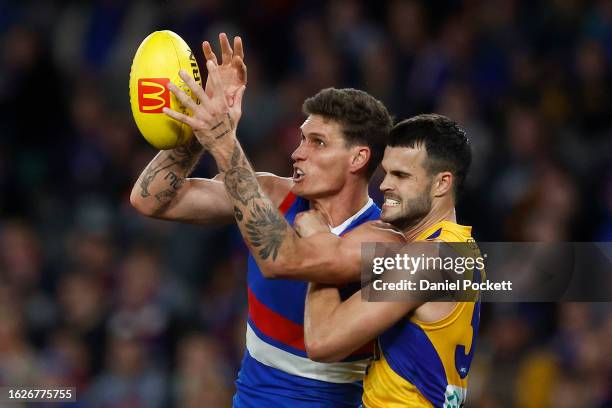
<point x="314" y="134"/>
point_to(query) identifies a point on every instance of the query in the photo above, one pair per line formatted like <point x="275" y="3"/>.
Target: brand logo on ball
<point x="153" y="95"/>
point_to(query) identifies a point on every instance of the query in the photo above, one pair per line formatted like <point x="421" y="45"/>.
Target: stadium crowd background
<point x="143" y="313"/>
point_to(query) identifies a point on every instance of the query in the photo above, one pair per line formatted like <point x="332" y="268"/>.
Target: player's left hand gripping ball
<point x="157" y="61"/>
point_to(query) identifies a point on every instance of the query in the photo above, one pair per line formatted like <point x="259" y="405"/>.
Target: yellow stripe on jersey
<point x="424" y="364"/>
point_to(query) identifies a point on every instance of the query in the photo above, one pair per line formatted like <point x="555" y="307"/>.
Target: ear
<point x="443" y="184"/>
<point x="360" y="158"/>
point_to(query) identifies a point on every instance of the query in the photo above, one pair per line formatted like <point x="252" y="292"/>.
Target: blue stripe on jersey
<point x="261" y="386"/>
<point x="277" y="294"/>
<point x="436" y="234"/>
<point x="424" y="370"/>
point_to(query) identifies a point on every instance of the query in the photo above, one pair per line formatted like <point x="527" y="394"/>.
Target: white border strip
<point x="341" y="373"/>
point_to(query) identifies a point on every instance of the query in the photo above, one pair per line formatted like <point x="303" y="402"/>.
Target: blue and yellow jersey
<point x="425" y="364"/>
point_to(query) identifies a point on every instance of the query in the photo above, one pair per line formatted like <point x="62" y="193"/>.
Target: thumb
<point x="238" y="96"/>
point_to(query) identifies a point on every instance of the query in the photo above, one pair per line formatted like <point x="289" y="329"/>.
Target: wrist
<point x="223" y="147"/>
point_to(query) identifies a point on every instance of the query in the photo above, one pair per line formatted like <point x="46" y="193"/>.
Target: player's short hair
<point x="447" y="145"/>
<point x="364" y="119"/>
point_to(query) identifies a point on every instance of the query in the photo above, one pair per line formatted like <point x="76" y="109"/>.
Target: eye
<point x="319" y="142"/>
<point x="400" y="174"/>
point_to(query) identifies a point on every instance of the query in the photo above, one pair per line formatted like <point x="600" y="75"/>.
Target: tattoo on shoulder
<point x="266" y="230"/>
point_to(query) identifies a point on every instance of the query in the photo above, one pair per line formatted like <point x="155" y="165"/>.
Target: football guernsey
<point x="275" y="369"/>
<point x="425" y="364"/>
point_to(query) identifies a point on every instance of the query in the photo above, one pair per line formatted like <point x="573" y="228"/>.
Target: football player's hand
<point x="213" y="120"/>
<point x="310" y="222"/>
<point x="232" y="70"/>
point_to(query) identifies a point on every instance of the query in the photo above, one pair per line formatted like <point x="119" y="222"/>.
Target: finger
<point x="226" y="49"/>
<point x="188" y="120"/>
<point x="238" y="63"/>
<point x="196" y="89"/>
<point x="216" y="83"/>
<point x="183" y="98"/>
<point x="208" y="51"/>
<point x="238" y="50"/>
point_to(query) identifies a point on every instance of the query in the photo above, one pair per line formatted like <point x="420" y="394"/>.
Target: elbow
<point x="138" y="203"/>
<point x="320" y="351"/>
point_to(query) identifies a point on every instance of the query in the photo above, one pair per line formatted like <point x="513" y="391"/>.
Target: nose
<point x="385" y="185"/>
<point x="299" y="153"/>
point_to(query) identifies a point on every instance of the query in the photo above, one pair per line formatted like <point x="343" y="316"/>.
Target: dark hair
<point x="364" y="119"/>
<point x="448" y="147"/>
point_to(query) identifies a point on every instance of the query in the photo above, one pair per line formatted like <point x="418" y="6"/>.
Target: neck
<point x="436" y="215"/>
<point x="343" y="205"/>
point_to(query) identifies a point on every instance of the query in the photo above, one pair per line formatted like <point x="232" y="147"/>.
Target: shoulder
<point x="448" y="231"/>
<point x="276" y="187"/>
<point x="376" y="231"/>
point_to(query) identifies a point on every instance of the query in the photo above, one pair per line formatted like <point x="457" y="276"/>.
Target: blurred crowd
<point x="142" y="313"/>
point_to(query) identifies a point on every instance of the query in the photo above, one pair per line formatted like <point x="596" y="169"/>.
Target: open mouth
<point x="298" y="174"/>
<point x="391" y="202"/>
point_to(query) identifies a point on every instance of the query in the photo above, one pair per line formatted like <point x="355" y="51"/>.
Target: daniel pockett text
<point x="427" y="271"/>
<point x="487" y="271"/>
<point x="425" y="265"/>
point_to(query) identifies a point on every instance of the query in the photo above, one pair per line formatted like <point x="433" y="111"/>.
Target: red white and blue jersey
<point x="276" y="371"/>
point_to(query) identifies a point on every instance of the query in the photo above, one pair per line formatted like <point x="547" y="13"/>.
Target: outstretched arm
<point x="277" y="248"/>
<point x="165" y="190"/>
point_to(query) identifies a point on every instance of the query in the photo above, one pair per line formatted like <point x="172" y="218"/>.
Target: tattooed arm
<point x="164" y="190"/>
<point x="279" y="251"/>
<point x="277" y="248"/>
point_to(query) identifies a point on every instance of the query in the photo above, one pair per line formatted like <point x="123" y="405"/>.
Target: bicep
<point x="206" y="201"/>
<point x="201" y="201"/>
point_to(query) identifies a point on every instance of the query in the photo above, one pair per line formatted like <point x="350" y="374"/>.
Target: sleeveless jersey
<point x="275" y="369"/>
<point x="425" y="364"/>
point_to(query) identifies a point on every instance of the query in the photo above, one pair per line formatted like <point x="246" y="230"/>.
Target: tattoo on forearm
<point x="241" y="184"/>
<point x="183" y="157"/>
<point x="238" y="214"/>
<point x="263" y="226"/>
<point x="175" y="181"/>
<point x="238" y="158"/>
<point x="266" y="230"/>
<point x="152" y="171"/>
<point x="240" y="181"/>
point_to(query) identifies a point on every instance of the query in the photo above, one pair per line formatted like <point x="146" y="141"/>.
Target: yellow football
<point x="157" y="61"/>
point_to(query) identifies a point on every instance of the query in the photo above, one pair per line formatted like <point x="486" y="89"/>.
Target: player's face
<point x="321" y="161"/>
<point x="406" y="186"/>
